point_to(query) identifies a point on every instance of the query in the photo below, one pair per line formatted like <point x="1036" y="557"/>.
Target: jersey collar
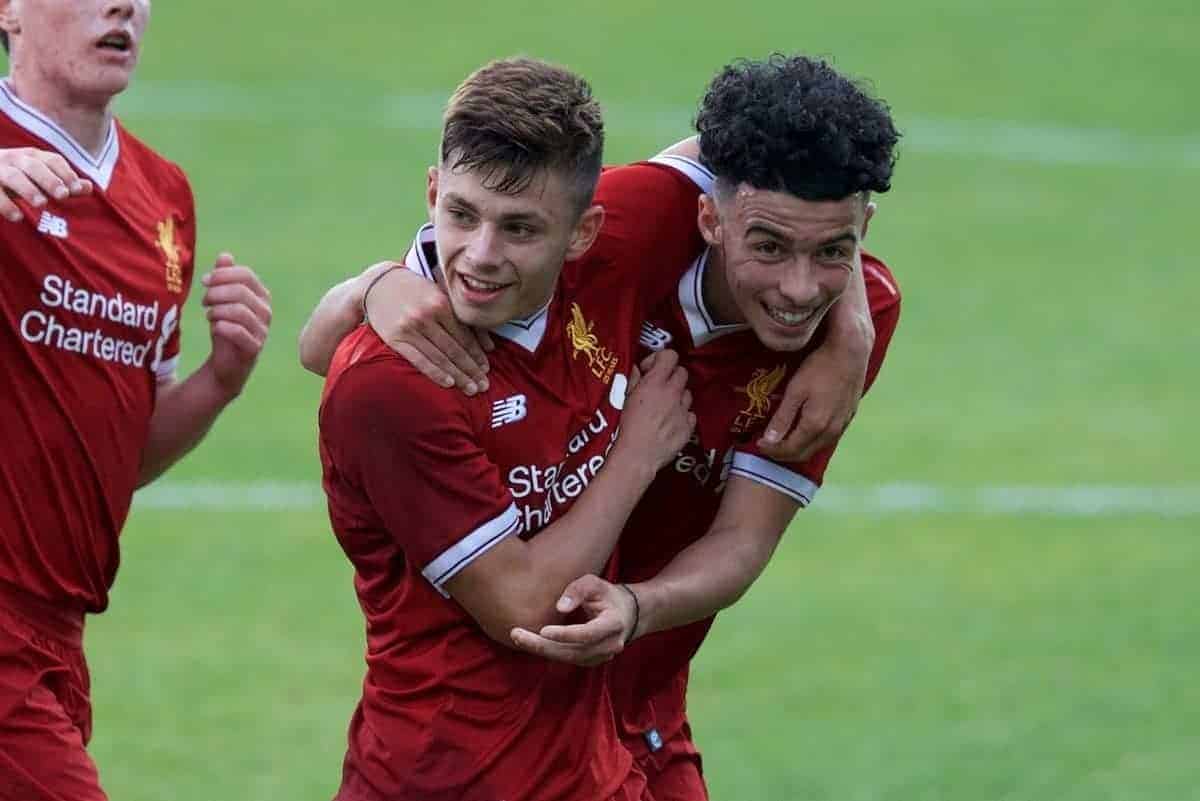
<point x="701" y="323"/>
<point x="99" y="169"/>
<point x="527" y="332"/>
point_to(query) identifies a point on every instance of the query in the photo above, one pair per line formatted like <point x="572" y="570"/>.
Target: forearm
<point x="710" y="575"/>
<point x="183" y="413"/>
<point x="338" y="313"/>
<point x="534" y="575"/>
<point x="716" y="570"/>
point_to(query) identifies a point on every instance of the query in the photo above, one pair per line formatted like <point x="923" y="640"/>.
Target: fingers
<point x="449" y="351"/>
<point x="586" y="656"/>
<point x="603" y="627"/>
<point x="238" y="336"/>
<point x="15" y="182"/>
<point x="425" y="365"/>
<point x="35" y="176"/>
<point x="226" y="272"/>
<point x="237" y="293"/>
<point x="485" y="340"/>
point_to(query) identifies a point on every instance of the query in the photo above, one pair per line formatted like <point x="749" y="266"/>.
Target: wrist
<point x="366" y="282"/>
<point x="633" y="631"/>
<point x="633" y="467"/>
<point x="222" y="390"/>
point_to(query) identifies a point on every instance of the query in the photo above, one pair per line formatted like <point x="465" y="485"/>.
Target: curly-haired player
<point x="796" y="149"/>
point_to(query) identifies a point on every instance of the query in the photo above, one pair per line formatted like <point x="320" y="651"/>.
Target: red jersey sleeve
<point x="650" y="213"/>
<point x="412" y="451"/>
<point x="802" y="481"/>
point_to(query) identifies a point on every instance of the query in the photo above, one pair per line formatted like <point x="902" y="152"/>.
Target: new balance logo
<point x="53" y="225"/>
<point x="509" y="410"/>
<point x="654" y="337"/>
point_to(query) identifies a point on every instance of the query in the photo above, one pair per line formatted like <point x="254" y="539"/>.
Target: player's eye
<point x="521" y="230"/>
<point x="768" y="249"/>
<point x="459" y="215"/>
<point x="834" y="253"/>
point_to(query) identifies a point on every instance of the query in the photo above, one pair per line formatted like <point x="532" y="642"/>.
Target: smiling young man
<point x="465" y="516"/>
<point x="796" y="149"/>
<point x="98" y="246"/>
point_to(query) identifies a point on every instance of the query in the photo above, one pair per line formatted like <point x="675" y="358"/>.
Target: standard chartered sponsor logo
<point x="42" y="326"/>
<point x="548" y="487"/>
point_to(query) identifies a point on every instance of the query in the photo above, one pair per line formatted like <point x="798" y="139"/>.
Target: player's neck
<point x="718" y="296"/>
<point x="86" y="120"/>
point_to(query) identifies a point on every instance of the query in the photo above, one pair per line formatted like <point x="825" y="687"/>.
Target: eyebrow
<point x="847" y="236"/>
<point x="520" y="216"/>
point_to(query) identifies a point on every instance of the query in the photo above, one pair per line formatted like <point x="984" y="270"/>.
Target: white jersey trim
<point x="881" y="278"/>
<point x="527" y="332"/>
<point x="774" y="475"/>
<point x="99" y="169"/>
<point x="700" y="175"/>
<point x="165" y="371"/>
<point x="455" y="558"/>
<point x="700" y="321"/>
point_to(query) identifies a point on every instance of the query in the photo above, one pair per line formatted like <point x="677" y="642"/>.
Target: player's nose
<point x="483" y="249"/>
<point x="798" y="283"/>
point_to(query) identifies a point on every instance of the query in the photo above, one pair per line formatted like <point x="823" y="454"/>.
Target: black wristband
<point x="637" y="613"/>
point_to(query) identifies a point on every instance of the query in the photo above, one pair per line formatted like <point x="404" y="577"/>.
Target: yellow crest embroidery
<point x="758" y="391"/>
<point x="601" y="360"/>
<point x="170" y="250"/>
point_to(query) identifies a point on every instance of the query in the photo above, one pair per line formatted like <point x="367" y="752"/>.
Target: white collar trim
<point x="527" y="332"/>
<point x="700" y="321"/>
<point x="99" y="169"/>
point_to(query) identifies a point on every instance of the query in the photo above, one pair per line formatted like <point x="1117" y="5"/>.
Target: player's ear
<point x="709" y="220"/>
<point x="586" y="231"/>
<point x="431" y="187"/>
<point x="868" y="213"/>
<point x="9" y="12"/>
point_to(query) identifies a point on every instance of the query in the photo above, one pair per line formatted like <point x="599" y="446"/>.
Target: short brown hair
<point x="517" y="117"/>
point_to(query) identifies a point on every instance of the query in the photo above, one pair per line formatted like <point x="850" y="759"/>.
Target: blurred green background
<point x="928" y="634"/>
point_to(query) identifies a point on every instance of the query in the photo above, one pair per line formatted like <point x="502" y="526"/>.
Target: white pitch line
<point x="887" y="499"/>
<point x="304" y="104"/>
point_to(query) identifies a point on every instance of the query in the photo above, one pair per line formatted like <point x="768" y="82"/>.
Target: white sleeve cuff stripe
<point x="697" y="172"/>
<point x="471" y="547"/>
<point x="774" y="475"/>
<point x="165" y="370"/>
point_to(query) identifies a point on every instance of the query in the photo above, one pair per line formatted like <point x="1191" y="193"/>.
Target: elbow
<point x="310" y="357"/>
<point x="530" y="613"/>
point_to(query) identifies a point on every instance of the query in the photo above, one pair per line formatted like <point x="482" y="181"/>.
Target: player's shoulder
<point x="883" y="290"/>
<point x="642" y="181"/>
<point x="165" y="172"/>
<point x="367" y="378"/>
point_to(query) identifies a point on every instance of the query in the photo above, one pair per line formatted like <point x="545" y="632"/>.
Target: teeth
<point x="481" y="286"/>
<point x="788" y="317"/>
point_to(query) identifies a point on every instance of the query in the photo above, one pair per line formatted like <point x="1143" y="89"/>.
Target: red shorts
<point x="673" y="771"/>
<point x="45" y="707"/>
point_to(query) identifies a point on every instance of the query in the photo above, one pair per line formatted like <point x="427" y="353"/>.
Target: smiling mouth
<point x="118" y="41"/>
<point x="479" y="285"/>
<point x="791" y="319"/>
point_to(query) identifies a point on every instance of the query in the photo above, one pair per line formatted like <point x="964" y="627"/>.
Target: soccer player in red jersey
<point x="784" y="232"/>
<point x="796" y="149"/>
<point x="92" y="287"/>
<point x="465" y="516"/>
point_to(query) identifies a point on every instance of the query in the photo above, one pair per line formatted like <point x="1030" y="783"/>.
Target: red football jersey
<point x="92" y="291"/>
<point x="735" y="382"/>
<point x="422" y="480"/>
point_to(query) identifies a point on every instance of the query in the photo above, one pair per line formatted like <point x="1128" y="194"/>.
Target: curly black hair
<point x="795" y="124"/>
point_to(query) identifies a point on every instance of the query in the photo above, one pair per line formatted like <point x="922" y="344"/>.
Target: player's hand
<point x="238" y="308"/>
<point x="414" y="317"/>
<point x="657" y="420"/>
<point x="611" y="616"/>
<point x="35" y="175"/>
<point x="821" y="400"/>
